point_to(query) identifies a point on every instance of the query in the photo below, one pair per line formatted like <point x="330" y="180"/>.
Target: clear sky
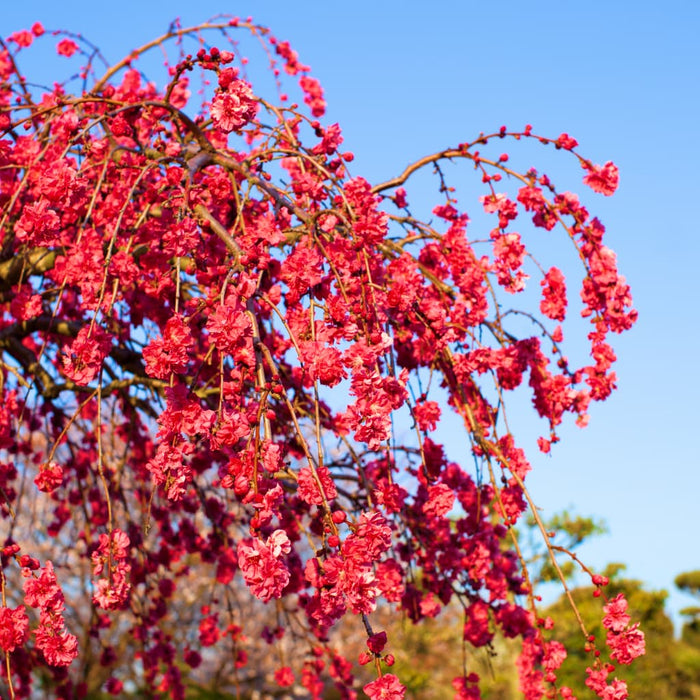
<point x="407" y="78"/>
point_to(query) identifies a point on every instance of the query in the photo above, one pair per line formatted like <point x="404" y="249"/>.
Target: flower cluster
<point x="42" y="592"/>
<point x="262" y="567"/>
<point x="111" y="558"/>
<point x="234" y="106"/>
<point x="188" y="292"/>
<point x="626" y="642"/>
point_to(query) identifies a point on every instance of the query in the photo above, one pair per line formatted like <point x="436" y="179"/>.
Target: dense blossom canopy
<point x="224" y="359"/>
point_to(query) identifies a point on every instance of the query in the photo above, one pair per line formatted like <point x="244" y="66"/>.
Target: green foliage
<point x="689" y="582"/>
<point x="568" y="532"/>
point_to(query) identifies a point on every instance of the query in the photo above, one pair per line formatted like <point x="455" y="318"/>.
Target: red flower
<point x="112" y="593"/>
<point x="169" y="353"/>
<point x="554" y="302"/>
<point x="441" y="498"/>
<point x="313" y="95"/>
<point x="332" y="138"/>
<point x="25" y="304"/>
<point x="377" y="642"/>
<point x="112" y="548"/>
<point x="566" y="141"/>
<point x="83" y="359"/>
<point x="467" y="687"/>
<point x="38" y="224"/>
<point x="14" y="628"/>
<point x="114" y="686"/>
<point x="476" y="626"/>
<point x="66" y="47"/>
<point x="617" y="690"/>
<point x="170" y="469"/>
<point x="209" y="631"/>
<point x="23" y="38"/>
<point x="284" y="677"/>
<point x="373" y="534"/>
<point x="322" y="363"/>
<point x="50" y="477"/>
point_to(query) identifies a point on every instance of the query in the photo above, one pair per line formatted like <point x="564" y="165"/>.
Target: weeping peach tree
<point x="225" y="359"/>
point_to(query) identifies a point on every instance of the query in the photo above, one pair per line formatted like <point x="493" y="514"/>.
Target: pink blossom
<point x="170" y="468"/>
<point x="617" y="690"/>
<point x="627" y="645"/>
<point x="58" y="646"/>
<point x="308" y="487"/>
<point x="430" y="606"/>
<point x="184" y="414"/>
<point x="616" y="617"/>
<point x="229" y="325"/>
<point x="602" y="178"/>
<point x="322" y="363"/>
<point x="427" y="415"/>
<point x="332" y="138"/>
<point x="389" y="578"/>
<point x="209" y="631"/>
<point x="43" y="591"/>
<point x="112" y="592"/>
<point x="388" y="687"/>
<point x="313" y="95"/>
<point x="25" y="304"/>
<point x="596" y="680"/>
<point x="233" y="108"/>
<point x="373" y="534"/>
<point x="263" y="571"/>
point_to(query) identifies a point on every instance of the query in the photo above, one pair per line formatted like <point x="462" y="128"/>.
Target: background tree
<point x="224" y="360"/>
<point x="688" y="652"/>
<point x="689" y="582"/>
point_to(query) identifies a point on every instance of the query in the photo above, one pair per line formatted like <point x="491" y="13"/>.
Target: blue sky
<point x="407" y="78"/>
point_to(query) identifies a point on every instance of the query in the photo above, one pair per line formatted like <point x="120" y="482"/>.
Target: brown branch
<point x="434" y="158"/>
<point x="33" y="262"/>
